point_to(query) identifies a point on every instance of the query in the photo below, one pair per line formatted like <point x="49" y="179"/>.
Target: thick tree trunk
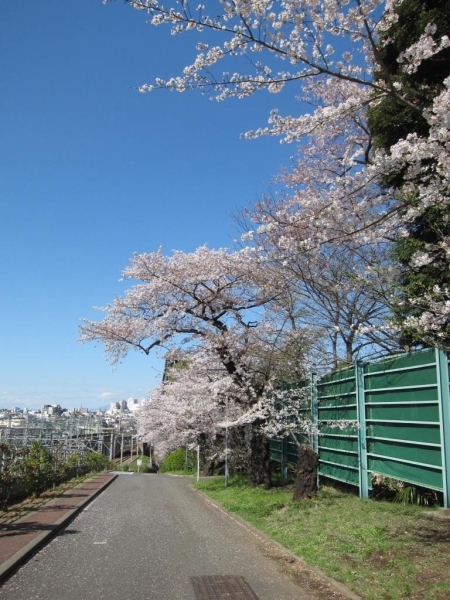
<point x="214" y="466"/>
<point x="208" y="468"/>
<point x="306" y="478"/>
<point x="259" y="467"/>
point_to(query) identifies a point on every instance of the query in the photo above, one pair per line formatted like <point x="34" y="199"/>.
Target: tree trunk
<point x="208" y="468"/>
<point x="259" y="468"/>
<point x="213" y="466"/>
<point x="334" y="343"/>
<point x="349" y="349"/>
<point x="306" y="478"/>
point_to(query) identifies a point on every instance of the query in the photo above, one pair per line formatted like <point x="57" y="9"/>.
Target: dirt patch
<point x="432" y="531"/>
<point x="424" y="552"/>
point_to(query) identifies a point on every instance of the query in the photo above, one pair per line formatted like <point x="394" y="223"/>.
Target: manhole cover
<point x="222" y="587"/>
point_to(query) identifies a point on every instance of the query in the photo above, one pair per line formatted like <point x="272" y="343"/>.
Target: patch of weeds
<point x="394" y="490"/>
<point x="411" y="494"/>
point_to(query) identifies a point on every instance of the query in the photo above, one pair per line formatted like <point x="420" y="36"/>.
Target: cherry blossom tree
<point x="342" y="203"/>
<point x="270" y="44"/>
<point x="189" y="407"/>
<point x="330" y="233"/>
<point x="222" y="304"/>
<point x="346" y="291"/>
<point x="334" y="51"/>
<point x="198" y="401"/>
<point x="298" y="40"/>
<point x="337" y="204"/>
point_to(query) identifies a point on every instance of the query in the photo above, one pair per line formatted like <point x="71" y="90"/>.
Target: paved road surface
<point x="145" y="537"/>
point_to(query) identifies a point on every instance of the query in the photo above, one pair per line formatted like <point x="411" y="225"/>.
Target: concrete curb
<point x="339" y="587"/>
<point x="21" y="556"/>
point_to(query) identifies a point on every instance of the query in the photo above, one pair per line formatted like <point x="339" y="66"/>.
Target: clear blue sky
<point x="92" y="171"/>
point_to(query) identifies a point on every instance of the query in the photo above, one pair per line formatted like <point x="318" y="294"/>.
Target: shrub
<point x="180" y="460"/>
<point x="37" y="468"/>
<point x="8" y="476"/>
<point x="95" y="462"/>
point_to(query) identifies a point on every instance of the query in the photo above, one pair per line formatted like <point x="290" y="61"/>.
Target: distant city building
<point x="133" y="404"/>
<point x="51" y="410"/>
<point x="123" y="406"/>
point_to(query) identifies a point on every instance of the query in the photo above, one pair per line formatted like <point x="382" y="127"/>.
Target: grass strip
<point x="380" y="550"/>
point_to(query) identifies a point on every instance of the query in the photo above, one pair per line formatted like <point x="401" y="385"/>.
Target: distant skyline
<point x="92" y="171"/>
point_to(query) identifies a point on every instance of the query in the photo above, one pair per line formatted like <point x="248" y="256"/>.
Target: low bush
<point x="96" y="462"/>
<point x="27" y="471"/>
<point x="37" y="468"/>
<point x="8" y="476"/>
<point x="180" y="460"/>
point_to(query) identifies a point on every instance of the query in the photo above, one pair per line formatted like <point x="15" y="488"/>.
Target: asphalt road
<point x="144" y="538"/>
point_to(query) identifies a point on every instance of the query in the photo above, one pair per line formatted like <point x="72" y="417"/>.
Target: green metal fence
<point x="390" y="417"/>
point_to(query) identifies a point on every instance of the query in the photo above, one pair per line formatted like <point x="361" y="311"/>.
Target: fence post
<point x="444" y="420"/>
<point x="284" y="461"/>
<point x="314" y="438"/>
<point x="314" y="413"/>
<point x="362" y="430"/>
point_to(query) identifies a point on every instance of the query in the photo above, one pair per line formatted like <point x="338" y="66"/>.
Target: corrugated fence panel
<point x="276" y="450"/>
<point x="411" y="473"/>
<point x="402" y="417"/>
<point x="399" y="406"/>
<point x="291" y="451"/>
<point x="338" y="443"/>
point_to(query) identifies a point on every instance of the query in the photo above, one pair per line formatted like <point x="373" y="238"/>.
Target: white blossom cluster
<point x="424" y="48"/>
<point x="302" y="34"/>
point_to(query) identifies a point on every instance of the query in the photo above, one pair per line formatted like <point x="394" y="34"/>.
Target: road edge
<point x="339" y="587"/>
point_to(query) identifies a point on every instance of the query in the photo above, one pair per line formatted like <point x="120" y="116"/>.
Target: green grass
<point x="381" y="551"/>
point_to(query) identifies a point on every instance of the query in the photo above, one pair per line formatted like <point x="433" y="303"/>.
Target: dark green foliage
<point x="8" y="475"/>
<point x="37" y="469"/>
<point x="412" y="494"/>
<point x="180" y="460"/>
<point x="32" y="470"/>
<point x="392" y="120"/>
<point x="96" y="462"/>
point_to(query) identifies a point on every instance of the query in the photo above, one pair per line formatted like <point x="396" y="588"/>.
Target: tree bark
<point x="306" y="478"/>
<point x="259" y="468"/>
